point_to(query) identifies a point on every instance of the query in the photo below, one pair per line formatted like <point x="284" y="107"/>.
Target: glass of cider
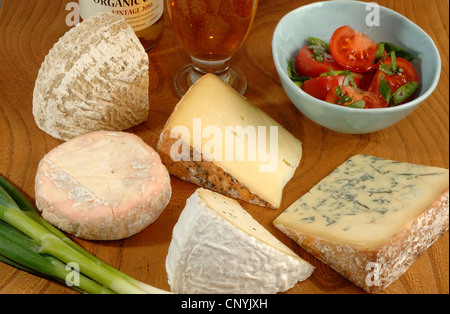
<point x="211" y="31"/>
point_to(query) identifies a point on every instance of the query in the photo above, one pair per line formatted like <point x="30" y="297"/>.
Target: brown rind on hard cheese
<point x="205" y="173"/>
<point x="393" y="259"/>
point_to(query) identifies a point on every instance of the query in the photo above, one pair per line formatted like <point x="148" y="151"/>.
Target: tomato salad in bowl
<point x="353" y="70"/>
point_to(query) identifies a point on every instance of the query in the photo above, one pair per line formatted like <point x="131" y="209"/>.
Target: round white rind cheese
<point x="102" y="186"/>
<point x="94" y="78"/>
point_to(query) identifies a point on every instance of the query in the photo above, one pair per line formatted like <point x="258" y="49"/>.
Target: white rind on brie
<point x="217" y="247"/>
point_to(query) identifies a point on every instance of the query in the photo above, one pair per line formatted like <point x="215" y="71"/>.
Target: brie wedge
<point x="217" y="247"/>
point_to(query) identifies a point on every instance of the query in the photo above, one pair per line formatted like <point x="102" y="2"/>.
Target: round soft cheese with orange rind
<point x="102" y="186"/>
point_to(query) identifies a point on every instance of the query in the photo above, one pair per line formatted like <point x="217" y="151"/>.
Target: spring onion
<point x="18" y="247"/>
<point x="404" y="92"/>
<point x="32" y="244"/>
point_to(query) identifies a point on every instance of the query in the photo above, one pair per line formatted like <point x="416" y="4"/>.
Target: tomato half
<point x="320" y="86"/>
<point x="307" y="65"/>
<point x="405" y="75"/>
<point x="372" y="100"/>
<point x="367" y="79"/>
<point x="353" y="50"/>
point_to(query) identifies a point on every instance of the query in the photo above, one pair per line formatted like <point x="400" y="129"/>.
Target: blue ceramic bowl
<point x="320" y="20"/>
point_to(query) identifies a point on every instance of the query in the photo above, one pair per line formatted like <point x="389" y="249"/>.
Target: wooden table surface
<point x="28" y="29"/>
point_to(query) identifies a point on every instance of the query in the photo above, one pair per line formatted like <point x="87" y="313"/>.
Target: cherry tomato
<point x="307" y="65"/>
<point x="367" y="79"/>
<point x="353" y="50"/>
<point x="401" y="77"/>
<point x="320" y="86"/>
<point x="371" y="100"/>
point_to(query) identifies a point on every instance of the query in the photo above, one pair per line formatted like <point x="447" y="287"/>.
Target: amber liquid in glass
<point x="212" y="29"/>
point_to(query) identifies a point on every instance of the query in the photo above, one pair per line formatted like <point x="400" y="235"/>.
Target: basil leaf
<point x="331" y="71"/>
<point x="386" y="68"/>
<point x="400" y="52"/>
<point x="385" y="89"/>
<point x="345" y="72"/>
<point x="391" y="69"/>
<point x="319" y="53"/>
<point x="343" y="98"/>
<point x="336" y="72"/>
<point x="319" y="47"/>
<point x="380" y="52"/>
<point x="394" y="62"/>
<point x="338" y="91"/>
<point x="361" y="104"/>
<point x="349" y="80"/>
<point x="293" y="75"/>
<point x="313" y="41"/>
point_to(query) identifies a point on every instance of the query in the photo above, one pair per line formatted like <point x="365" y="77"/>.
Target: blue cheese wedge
<point x="371" y="218"/>
<point x="217" y="247"/>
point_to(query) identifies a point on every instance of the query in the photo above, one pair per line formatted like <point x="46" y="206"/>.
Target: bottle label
<point x="140" y="14"/>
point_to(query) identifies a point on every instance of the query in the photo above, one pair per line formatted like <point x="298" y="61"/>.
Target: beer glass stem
<point x="219" y="68"/>
<point x="191" y="73"/>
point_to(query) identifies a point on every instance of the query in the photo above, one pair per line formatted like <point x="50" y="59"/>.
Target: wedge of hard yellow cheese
<point x="217" y="139"/>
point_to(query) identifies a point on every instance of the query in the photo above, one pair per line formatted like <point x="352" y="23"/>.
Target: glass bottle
<point x="144" y="16"/>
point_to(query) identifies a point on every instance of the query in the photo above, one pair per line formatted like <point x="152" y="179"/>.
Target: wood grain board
<point x="28" y="29"/>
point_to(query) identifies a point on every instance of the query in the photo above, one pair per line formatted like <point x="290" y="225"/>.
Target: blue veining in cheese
<point x="366" y="201"/>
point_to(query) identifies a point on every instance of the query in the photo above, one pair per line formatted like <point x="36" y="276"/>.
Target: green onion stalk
<point x="30" y="243"/>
